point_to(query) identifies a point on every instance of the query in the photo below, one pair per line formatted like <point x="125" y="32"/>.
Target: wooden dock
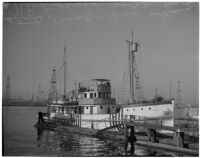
<point x="129" y="134"/>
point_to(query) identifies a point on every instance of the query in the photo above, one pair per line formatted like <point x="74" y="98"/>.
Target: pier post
<point x="92" y="125"/>
<point x="152" y="135"/>
<point x="126" y="138"/>
<point x="130" y="138"/>
<point x="40" y="117"/>
<point x="180" y="138"/>
<point x="80" y="120"/>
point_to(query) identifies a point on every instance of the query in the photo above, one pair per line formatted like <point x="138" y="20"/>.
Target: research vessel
<point x="91" y="105"/>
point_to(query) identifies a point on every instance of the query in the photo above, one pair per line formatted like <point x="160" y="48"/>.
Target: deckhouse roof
<point x="101" y="80"/>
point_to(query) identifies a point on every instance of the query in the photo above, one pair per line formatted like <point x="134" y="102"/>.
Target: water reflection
<point x="62" y="141"/>
<point x="71" y="144"/>
<point x="66" y="142"/>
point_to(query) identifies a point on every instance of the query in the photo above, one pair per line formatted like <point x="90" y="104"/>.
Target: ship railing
<point x="191" y="125"/>
<point x="145" y="119"/>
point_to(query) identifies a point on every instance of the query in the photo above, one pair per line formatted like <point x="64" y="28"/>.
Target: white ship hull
<point x="150" y="110"/>
<point x="101" y="121"/>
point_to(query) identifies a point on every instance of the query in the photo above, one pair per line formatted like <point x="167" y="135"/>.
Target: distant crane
<point x="179" y="101"/>
<point x="8" y="89"/>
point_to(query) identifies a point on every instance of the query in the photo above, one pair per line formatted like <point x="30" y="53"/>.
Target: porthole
<point x="101" y="107"/>
<point x="141" y="108"/>
<point x="133" y="109"/>
<point x="86" y="107"/>
<point x="127" y="109"/>
<point x="149" y="108"/>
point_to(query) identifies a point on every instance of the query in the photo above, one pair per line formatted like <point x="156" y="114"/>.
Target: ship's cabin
<point x="95" y="97"/>
<point x="96" y="88"/>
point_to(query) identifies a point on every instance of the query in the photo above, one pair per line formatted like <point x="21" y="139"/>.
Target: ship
<point x="92" y="106"/>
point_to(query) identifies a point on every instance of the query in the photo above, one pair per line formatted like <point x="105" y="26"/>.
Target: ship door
<point x="91" y="110"/>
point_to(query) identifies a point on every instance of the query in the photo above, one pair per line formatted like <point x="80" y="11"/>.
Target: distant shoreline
<point x="23" y="105"/>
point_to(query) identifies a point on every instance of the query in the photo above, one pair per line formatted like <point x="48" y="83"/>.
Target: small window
<point x="86" y="107"/>
<point x="133" y="109"/>
<point x="95" y="95"/>
<point x="141" y="108"/>
<point x="85" y="95"/>
<point x="149" y="108"/>
<point x="101" y="107"/>
<point x="127" y="109"/>
<point x="99" y="95"/>
<point x="106" y="95"/>
<point x="91" y="95"/>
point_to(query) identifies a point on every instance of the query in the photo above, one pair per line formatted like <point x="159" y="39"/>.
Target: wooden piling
<point x="152" y="135"/>
<point x="180" y="138"/>
<point x="130" y="138"/>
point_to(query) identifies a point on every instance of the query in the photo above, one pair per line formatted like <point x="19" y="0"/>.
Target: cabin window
<point x="149" y="108"/>
<point x="106" y="95"/>
<point x="99" y="95"/>
<point x="133" y="109"/>
<point x="86" y="107"/>
<point x="85" y="95"/>
<point x="91" y="95"/>
<point x="101" y="107"/>
<point x="103" y="95"/>
<point x="127" y="109"/>
<point x="141" y="108"/>
<point x="95" y="95"/>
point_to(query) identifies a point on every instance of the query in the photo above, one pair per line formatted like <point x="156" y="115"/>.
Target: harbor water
<point x="21" y="138"/>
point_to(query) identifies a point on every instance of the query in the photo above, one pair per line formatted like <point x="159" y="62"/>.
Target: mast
<point x="65" y="67"/>
<point x="133" y="47"/>
<point x="53" y="90"/>
<point x="130" y="62"/>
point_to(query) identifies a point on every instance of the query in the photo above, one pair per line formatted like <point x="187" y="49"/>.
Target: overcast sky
<point x="34" y="35"/>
